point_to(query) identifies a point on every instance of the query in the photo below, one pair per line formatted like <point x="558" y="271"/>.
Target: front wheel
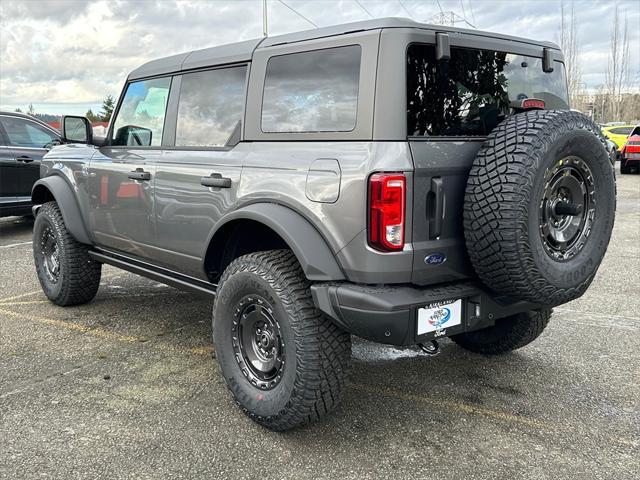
<point x="67" y="273"/>
<point x="282" y="359"/>
<point x="507" y="334"/>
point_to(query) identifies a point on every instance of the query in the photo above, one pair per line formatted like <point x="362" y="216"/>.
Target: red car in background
<point x="630" y="153"/>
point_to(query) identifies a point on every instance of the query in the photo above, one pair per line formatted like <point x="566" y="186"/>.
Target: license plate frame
<point x="434" y="319"/>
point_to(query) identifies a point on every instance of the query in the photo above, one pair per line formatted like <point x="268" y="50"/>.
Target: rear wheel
<point x="283" y="360"/>
<point x="67" y="273"/>
<point x="507" y="334"/>
<point x="625" y="166"/>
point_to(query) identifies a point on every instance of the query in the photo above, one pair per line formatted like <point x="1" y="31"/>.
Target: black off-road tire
<point x="78" y="276"/>
<point x="507" y="334"/>
<point x="316" y="352"/>
<point x="503" y="208"/>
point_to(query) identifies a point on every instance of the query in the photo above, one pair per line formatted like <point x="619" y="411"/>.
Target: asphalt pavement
<point x="127" y="387"/>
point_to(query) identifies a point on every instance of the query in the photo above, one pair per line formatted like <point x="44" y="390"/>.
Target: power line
<point x="298" y="13"/>
<point x="473" y="16"/>
<point x="439" y="6"/>
<point x="362" y="7"/>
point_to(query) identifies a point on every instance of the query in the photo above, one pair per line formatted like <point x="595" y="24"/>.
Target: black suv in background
<point x="23" y="142"/>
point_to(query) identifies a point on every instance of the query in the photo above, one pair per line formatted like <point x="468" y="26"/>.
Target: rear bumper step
<point x="389" y="313"/>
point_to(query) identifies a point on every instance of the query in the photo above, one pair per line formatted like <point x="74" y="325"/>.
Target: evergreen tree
<point x="31" y="111"/>
<point x="107" y="108"/>
<point x="92" y="117"/>
<point x="18" y="110"/>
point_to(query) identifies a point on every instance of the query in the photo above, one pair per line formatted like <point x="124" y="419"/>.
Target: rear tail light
<point x="387" y="192"/>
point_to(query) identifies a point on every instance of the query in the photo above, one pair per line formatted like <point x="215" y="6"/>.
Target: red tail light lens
<point x="387" y="192"/>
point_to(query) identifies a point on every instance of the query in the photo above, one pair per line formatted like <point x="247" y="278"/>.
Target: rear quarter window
<point x="621" y="130"/>
<point x="314" y="91"/>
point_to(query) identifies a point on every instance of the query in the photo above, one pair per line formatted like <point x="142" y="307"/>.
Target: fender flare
<point x="64" y="196"/>
<point x="316" y="258"/>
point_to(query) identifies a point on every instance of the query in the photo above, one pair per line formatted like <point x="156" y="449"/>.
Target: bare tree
<point x="618" y="65"/>
<point x="571" y="49"/>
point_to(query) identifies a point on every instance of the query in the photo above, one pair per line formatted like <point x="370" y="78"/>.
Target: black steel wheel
<point x="50" y="254"/>
<point x="257" y="342"/>
<point x="66" y="272"/>
<point x="567" y="208"/>
<point x="284" y="362"/>
<point x="539" y="206"/>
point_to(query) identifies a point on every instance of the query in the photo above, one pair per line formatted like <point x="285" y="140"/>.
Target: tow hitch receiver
<point x="430" y="348"/>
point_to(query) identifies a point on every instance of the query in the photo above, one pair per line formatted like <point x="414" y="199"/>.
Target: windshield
<point x="475" y="90"/>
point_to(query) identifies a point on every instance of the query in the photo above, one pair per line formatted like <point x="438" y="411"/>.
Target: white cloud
<point x="66" y="52"/>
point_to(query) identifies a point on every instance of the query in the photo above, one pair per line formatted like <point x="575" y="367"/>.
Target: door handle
<point x="435" y="207"/>
<point x="24" y="159"/>
<point x="216" y="180"/>
<point x="139" y="174"/>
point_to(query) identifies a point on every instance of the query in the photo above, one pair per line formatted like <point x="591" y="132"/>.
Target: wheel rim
<point x="257" y="342"/>
<point x="50" y="254"/>
<point x="567" y="208"/>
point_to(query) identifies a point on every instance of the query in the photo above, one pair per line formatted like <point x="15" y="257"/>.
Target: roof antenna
<point x="265" y="28"/>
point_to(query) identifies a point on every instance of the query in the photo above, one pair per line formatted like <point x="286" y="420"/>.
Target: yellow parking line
<point x="459" y="406"/>
<point x="106" y="334"/>
<point x="3" y="301"/>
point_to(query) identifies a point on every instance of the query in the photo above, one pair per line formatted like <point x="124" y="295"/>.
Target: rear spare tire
<point x="539" y="206"/>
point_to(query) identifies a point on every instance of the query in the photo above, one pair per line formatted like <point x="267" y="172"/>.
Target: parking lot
<point x="126" y="387"/>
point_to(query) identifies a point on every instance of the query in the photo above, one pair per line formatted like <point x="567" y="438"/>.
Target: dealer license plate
<point x="439" y="316"/>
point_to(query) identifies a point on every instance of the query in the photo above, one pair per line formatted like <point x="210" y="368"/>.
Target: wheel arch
<point x="266" y="226"/>
<point x="55" y="188"/>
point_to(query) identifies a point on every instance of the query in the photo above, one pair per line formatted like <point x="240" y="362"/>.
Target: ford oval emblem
<point x="435" y="259"/>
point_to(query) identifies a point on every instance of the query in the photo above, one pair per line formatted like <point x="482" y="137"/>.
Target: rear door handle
<point x="435" y="207"/>
<point x="216" y="180"/>
<point x="139" y="174"/>
<point x="24" y="158"/>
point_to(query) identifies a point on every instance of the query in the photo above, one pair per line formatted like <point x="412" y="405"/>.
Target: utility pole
<point x="265" y="27"/>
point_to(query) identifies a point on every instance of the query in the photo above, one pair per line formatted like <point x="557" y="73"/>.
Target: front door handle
<point x="24" y="158"/>
<point x="216" y="180"/>
<point x="139" y="174"/>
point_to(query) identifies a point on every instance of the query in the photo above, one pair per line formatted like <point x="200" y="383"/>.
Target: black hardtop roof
<point x="243" y="51"/>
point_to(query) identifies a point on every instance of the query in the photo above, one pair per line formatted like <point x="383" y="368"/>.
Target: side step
<point x="173" y="279"/>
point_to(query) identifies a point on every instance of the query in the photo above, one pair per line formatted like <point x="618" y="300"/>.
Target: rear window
<point x="315" y="91"/>
<point x="473" y="92"/>
<point x="621" y="130"/>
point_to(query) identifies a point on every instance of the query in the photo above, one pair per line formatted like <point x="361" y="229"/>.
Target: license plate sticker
<point x="439" y="316"/>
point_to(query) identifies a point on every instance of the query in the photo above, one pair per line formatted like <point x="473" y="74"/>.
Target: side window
<point x="315" y="91"/>
<point x="23" y="133"/>
<point x="211" y="107"/>
<point x="140" y="120"/>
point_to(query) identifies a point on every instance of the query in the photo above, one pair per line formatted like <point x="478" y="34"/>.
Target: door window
<point x="24" y="133"/>
<point x="211" y="107"/>
<point x="314" y="91"/>
<point x="140" y="120"/>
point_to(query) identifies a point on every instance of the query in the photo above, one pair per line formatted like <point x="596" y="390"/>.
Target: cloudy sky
<point x="64" y="56"/>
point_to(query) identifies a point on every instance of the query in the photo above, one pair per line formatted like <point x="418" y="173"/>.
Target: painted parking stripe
<point x="15" y="244"/>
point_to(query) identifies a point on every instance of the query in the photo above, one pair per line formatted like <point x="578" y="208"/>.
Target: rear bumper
<point x="389" y="313"/>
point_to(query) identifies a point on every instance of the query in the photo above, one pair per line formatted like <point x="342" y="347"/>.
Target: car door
<point x="26" y="143"/>
<point x="197" y="176"/>
<point x="121" y="174"/>
<point x="7" y="164"/>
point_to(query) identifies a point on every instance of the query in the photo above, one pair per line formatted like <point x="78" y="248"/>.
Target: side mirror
<point x="76" y="129"/>
<point x="131" y="135"/>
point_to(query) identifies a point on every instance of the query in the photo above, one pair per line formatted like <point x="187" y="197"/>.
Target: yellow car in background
<point x="617" y="134"/>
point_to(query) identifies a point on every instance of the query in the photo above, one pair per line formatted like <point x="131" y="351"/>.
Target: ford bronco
<point x="388" y="179"/>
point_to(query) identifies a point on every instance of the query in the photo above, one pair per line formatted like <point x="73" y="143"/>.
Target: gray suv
<point x="388" y="179"/>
